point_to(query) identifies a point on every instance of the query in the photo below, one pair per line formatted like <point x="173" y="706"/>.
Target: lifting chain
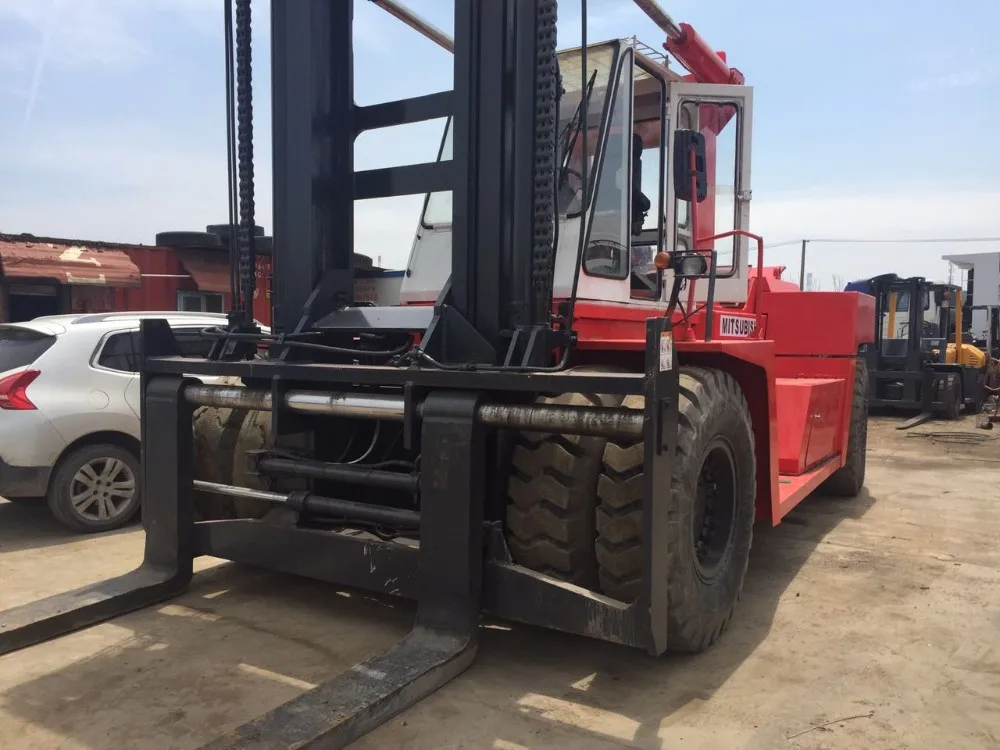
<point x="244" y="117"/>
<point x="546" y="121"/>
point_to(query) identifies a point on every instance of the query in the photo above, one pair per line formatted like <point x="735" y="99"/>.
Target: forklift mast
<point x="501" y="174"/>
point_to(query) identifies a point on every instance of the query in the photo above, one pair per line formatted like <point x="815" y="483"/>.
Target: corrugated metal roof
<point x="68" y="263"/>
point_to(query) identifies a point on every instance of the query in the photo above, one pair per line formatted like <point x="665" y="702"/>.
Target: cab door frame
<point x="731" y="287"/>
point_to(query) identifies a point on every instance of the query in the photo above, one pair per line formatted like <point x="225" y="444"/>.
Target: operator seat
<point x="640" y="203"/>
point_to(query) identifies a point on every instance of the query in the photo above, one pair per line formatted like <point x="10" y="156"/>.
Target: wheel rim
<point x="715" y="510"/>
<point x="102" y="489"/>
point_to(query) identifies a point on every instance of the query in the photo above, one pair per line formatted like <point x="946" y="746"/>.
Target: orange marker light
<point x="662" y="260"/>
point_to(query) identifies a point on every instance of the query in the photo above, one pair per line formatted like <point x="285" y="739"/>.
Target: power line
<point x="898" y="240"/>
<point x="881" y="240"/>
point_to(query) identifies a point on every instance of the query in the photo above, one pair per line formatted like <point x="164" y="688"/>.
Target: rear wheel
<point x="712" y="510"/>
<point x="975" y="405"/>
<point x="848" y="480"/>
<point x="96" y="488"/>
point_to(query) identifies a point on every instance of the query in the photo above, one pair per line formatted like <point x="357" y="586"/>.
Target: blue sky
<point x="872" y="119"/>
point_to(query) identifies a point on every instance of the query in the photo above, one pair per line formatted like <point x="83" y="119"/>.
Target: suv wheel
<point x="96" y="488"/>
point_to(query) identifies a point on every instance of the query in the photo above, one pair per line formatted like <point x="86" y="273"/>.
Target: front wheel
<point x="96" y="488"/>
<point x="712" y="509"/>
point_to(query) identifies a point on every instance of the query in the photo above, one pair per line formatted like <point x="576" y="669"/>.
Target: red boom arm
<point x="695" y="54"/>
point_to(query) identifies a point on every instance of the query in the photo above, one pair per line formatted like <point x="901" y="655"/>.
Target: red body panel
<point x="774" y="281"/>
<point x="796" y="367"/>
<point x="808" y="431"/>
<point x="810" y="323"/>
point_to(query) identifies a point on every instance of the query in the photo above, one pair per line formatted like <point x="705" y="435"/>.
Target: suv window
<point x="121" y="350"/>
<point x="19" y="347"/>
<point x="192" y="343"/>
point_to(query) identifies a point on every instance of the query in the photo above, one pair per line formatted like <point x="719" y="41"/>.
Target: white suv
<point x="69" y="411"/>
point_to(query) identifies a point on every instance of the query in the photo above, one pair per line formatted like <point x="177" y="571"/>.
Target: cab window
<point x="607" y="253"/>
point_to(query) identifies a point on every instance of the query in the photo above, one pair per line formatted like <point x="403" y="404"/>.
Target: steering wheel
<point x="600" y="265"/>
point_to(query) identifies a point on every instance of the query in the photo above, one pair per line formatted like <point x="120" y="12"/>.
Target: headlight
<point x="690" y="264"/>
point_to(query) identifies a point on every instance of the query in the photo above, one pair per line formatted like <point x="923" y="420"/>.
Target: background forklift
<point x="920" y="359"/>
<point x="549" y="428"/>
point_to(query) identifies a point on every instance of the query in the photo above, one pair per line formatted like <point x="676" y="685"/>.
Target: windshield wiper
<point x="571" y="132"/>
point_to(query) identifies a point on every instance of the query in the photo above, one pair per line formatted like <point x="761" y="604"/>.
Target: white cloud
<point x="958" y="67"/>
<point x="124" y="182"/>
<point x="102" y="33"/>
<point x="978" y="75"/>
<point x="83" y="32"/>
<point x="385" y="228"/>
<point x="127" y="181"/>
<point x="886" y="212"/>
<point x="136" y="183"/>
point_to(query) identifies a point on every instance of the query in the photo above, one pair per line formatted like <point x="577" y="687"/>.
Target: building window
<point x="199" y="302"/>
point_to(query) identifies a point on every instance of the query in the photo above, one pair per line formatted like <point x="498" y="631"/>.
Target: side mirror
<point x="686" y="144"/>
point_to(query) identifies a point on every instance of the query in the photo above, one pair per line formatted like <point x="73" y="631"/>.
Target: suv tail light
<point x="13" y="395"/>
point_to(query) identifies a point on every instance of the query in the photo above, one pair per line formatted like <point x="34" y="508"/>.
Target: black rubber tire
<point x="712" y="411"/>
<point x="188" y="239"/>
<point x="216" y="432"/>
<point x="952" y="395"/>
<point x="223" y="231"/>
<point x="848" y="480"/>
<point x="551" y="498"/>
<point x="62" y="479"/>
<point x="222" y="439"/>
<point x="976" y="406"/>
<point x="264" y="245"/>
<point x="252" y="436"/>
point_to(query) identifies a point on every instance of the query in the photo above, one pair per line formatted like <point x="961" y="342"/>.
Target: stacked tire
<point x="222" y="439"/>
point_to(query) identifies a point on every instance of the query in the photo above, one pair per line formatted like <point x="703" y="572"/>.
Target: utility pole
<point x="802" y="267"/>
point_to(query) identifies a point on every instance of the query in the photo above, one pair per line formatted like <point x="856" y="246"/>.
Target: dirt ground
<point x="871" y="623"/>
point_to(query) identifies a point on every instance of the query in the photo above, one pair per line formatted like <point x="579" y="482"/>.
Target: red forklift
<point x="578" y="411"/>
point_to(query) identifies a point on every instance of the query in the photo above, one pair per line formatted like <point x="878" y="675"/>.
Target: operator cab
<point x="615" y="187"/>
